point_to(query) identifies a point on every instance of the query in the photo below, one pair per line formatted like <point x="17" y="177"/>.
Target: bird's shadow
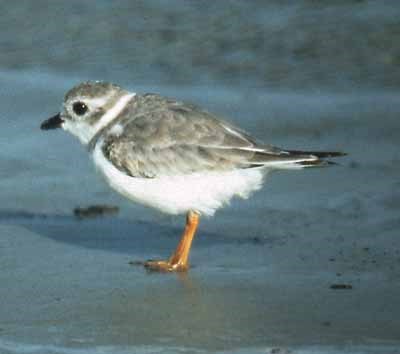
<point x="109" y="233"/>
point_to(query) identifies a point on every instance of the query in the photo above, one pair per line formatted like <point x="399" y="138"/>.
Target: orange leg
<point x="179" y="261"/>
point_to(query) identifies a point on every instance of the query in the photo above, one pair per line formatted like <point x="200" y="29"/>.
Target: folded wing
<point x="177" y="138"/>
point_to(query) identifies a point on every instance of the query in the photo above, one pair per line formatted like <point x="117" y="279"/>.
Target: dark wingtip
<point x="320" y="154"/>
<point x="335" y="154"/>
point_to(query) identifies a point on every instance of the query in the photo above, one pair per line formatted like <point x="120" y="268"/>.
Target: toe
<point x="164" y="266"/>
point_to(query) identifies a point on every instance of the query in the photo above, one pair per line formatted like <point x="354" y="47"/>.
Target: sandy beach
<point x="309" y="264"/>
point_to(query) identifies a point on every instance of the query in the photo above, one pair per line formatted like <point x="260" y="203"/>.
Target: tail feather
<point x="293" y="159"/>
<point x="320" y="154"/>
<point x="319" y="157"/>
<point x="316" y="163"/>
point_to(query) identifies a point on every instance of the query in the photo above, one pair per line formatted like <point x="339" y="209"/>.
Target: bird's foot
<point x="178" y="262"/>
<point x="165" y="266"/>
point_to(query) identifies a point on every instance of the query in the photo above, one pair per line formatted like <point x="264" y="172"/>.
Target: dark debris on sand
<point x="341" y="287"/>
<point x="95" y="211"/>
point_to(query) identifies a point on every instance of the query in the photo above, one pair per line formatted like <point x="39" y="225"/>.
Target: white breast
<point x="202" y="192"/>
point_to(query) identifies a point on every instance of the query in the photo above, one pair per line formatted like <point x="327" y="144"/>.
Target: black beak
<point x="52" y="123"/>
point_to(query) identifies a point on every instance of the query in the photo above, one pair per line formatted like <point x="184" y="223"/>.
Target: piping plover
<point x="171" y="155"/>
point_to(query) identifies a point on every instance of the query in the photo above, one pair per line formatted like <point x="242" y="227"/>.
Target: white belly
<point x="202" y="192"/>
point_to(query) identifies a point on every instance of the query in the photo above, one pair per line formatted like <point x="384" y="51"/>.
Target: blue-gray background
<point x="297" y="74"/>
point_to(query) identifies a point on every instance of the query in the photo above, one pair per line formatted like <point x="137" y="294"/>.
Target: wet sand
<point x="67" y="285"/>
<point x="263" y="269"/>
<point x="309" y="264"/>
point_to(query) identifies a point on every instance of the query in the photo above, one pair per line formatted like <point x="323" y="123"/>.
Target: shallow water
<point x="262" y="267"/>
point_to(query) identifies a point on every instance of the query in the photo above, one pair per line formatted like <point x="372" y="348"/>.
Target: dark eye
<point x="79" y="108"/>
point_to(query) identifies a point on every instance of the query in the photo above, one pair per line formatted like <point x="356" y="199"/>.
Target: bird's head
<point x="89" y="107"/>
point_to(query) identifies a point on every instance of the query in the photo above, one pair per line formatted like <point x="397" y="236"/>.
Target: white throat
<point x="85" y="132"/>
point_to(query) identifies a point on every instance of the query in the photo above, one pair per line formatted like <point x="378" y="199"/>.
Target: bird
<point x="171" y="155"/>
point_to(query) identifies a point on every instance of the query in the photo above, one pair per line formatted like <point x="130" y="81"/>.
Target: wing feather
<point x="164" y="137"/>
